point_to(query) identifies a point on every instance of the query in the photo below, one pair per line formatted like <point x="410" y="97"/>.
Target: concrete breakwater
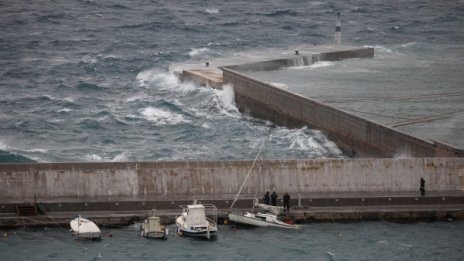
<point x="326" y="190"/>
<point x="356" y="136"/>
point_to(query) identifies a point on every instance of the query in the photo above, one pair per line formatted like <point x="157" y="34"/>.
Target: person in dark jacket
<point x="266" y="198"/>
<point x="287" y="202"/>
<point x="274" y="198"/>
<point x="422" y="186"/>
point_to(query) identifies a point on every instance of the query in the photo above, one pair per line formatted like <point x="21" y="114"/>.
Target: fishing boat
<point x="84" y="228"/>
<point x="193" y="221"/>
<point x="152" y="228"/>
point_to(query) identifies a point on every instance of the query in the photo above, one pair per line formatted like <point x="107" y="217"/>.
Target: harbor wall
<point x="356" y="136"/>
<point x="216" y="179"/>
<point x="304" y="59"/>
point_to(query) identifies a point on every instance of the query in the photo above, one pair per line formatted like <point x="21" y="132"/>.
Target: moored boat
<point x="193" y="221"/>
<point x="152" y="228"/>
<point x="84" y="228"/>
<point x="260" y="220"/>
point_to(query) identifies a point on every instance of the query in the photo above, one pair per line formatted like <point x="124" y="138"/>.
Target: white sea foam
<point x="136" y="97"/>
<point x="162" y="117"/>
<point x="212" y="11"/>
<point x="110" y="56"/>
<point x="406" y="245"/>
<point x="89" y="59"/>
<point x="163" y="80"/>
<point x="321" y="64"/>
<point x="316" y="65"/>
<point x="299" y="142"/>
<point x="37" y="150"/>
<point x="198" y="51"/>
<point x="69" y="99"/>
<point x="92" y="157"/>
<point x="3" y="146"/>
<point x="154" y="77"/>
<point x="379" y="48"/>
<point x="65" y="110"/>
<point x="408" y="44"/>
<point x="175" y="102"/>
<point x="120" y="157"/>
<point x="225" y="101"/>
<point x="313" y="141"/>
<point x="205" y="126"/>
<point x="279" y="85"/>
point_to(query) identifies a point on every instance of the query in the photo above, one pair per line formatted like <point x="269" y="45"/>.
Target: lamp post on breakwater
<point x="338" y="34"/>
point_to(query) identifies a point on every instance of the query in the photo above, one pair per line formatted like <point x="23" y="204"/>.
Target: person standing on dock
<point x="266" y="198"/>
<point x="422" y="186"/>
<point x="287" y="202"/>
<point x="274" y="197"/>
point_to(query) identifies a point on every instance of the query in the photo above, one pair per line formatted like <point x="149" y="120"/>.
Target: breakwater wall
<point x="222" y="179"/>
<point x="356" y="136"/>
<point x="304" y="59"/>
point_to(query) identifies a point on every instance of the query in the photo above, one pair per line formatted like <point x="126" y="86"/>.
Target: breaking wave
<point x="317" y="65"/>
<point x="212" y="11"/>
<point x="161" y="116"/>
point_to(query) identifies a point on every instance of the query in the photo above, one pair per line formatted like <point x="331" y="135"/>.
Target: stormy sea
<point x="86" y="80"/>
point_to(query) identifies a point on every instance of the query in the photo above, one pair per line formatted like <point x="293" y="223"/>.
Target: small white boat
<point x="152" y="228"/>
<point x="193" y="221"/>
<point x="260" y="220"/>
<point x="85" y="228"/>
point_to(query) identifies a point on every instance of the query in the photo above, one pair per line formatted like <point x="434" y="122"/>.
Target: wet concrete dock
<point x="320" y="207"/>
<point x="117" y="193"/>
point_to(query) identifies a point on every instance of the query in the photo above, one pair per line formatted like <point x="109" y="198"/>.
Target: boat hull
<point x="89" y="235"/>
<point x="85" y="229"/>
<point x="259" y="222"/>
<point x="155" y="235"/>
<point x="202" y="234"/>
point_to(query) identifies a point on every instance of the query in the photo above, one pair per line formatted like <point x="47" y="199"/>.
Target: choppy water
<point x="85" y="80"/>
<point x="356" y="241"/>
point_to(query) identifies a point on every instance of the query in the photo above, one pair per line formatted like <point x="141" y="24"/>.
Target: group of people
<point x="273" y="200"/>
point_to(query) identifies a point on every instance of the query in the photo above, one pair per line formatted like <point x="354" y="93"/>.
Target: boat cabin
<point x="195" y="217"/>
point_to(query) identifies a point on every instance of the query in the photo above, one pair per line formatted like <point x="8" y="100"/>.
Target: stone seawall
<point x="222" y="179"/>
